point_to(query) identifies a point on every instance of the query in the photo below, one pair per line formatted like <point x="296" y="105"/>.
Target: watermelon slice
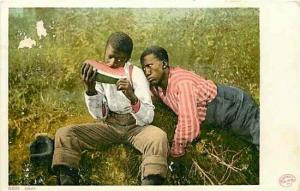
<point x="106" y="74"/>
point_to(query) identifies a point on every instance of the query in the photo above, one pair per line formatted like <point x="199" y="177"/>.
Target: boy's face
<point x="153" y="69"/>
<point x="114" y="58"/>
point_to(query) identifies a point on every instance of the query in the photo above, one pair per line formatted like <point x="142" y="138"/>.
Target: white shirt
<point x="110" y="98"/>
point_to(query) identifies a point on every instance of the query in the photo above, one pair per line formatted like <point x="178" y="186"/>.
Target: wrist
<point x="134" y="100"/>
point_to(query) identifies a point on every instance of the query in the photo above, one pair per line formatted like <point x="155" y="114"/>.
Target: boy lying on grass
<point x="196" y="100"/>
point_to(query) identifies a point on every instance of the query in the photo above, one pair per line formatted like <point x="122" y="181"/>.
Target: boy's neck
<point x="165" y="78"/>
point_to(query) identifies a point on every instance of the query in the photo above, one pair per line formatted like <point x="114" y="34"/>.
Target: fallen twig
<point x="235" y="169"/>
<point x="203" y="172"/>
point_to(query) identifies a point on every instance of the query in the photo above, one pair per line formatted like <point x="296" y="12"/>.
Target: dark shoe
<point x="153" y="180"/>
<point x="41" y="148"/>
<point x="41" y="151"/>
<point x="67" y="175"/>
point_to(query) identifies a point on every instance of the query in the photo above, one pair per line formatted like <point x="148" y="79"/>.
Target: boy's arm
<point x="94" y="96"/>
<point x="145" y="113"/>
<point x="140" y="97"/>
<point x="96" y="104"/>
<point x="188" y="125"/>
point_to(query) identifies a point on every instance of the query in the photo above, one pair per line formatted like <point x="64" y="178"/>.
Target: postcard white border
<point x="279" y="88"/>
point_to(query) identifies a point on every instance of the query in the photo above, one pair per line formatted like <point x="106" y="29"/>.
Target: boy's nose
<point x="147" y="71"/>
<point x="113" y="62"/>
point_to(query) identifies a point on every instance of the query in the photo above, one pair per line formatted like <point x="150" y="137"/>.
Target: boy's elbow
<point x="150" y="117"/>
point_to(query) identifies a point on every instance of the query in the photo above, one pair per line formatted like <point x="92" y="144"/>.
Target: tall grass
<point x="45" y="91"/>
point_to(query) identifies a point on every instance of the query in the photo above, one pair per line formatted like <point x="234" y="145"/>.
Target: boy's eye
<point x="121" y="59"/>
<point x="118" y="59"/>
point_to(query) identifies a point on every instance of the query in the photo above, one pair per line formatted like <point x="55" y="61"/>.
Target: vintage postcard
<point x="223" y="77"/>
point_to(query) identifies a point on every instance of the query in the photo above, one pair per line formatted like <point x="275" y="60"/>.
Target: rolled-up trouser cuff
<point x="154" y="165"/>
<point x="65" y="157"/>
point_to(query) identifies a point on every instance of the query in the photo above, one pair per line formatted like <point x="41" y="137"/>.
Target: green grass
<point x="45" y="91"/>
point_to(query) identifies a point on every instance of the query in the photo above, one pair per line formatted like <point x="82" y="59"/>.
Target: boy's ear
<point x="165" y="64"/>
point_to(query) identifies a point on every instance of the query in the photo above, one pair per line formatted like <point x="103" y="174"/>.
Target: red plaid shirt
<point x="187" y="95"/>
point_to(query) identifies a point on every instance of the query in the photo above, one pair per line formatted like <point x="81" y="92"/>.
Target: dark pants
<point x="236" y="110"/>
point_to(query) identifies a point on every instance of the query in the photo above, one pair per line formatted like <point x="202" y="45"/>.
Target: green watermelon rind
<point x="104" y="73"/>
<point x="106" y="79"/>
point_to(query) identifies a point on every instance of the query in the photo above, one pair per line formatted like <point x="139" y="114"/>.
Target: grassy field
<point x="45" y="90"/>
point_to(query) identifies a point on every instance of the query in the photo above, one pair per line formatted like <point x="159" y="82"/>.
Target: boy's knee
<point x="156" y="143"/>
<point x="64" y="137"/>
<point x="158" y="136"/>
<point x="63" y="132"/>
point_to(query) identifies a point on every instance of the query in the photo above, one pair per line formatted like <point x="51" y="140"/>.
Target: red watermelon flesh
<point x="106" y="74"/>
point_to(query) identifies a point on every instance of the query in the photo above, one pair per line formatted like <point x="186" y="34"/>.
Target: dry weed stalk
<point x="21" y="121"/>
<point x="220" y="155"/>
<point x="203" y="173"/>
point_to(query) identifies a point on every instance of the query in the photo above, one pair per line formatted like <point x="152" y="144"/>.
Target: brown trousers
<point x="151" y="141"/>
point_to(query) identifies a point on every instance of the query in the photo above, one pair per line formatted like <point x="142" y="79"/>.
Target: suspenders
<point x="130" y="73"/>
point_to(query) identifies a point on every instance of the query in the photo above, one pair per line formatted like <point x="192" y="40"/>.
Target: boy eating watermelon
<point x="124" y="111"/>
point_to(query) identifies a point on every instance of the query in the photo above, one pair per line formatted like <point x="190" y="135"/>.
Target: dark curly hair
<point x="121" y="42"/>
<point x="157" y="51"/>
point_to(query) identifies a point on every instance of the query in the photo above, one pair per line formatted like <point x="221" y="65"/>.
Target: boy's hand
<point x="88" y="75"/>
<point x="125" y="86"/>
